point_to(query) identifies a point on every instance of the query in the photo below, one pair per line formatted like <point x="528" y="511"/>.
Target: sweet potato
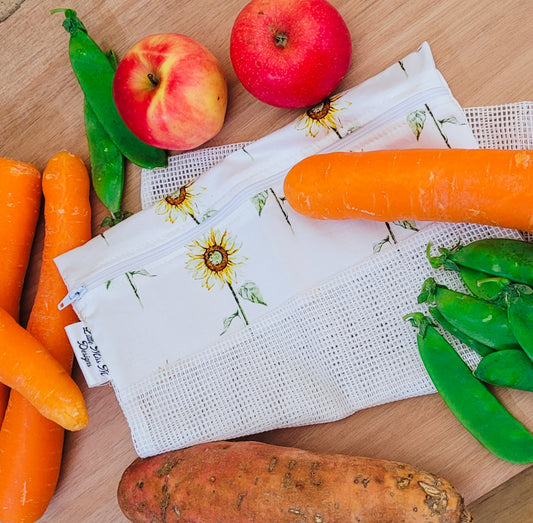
<point x="251" y="481"/>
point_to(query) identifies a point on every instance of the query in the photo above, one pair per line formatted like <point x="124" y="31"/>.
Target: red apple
<point x="290" y="53"/>
<point x="171" y="92"/>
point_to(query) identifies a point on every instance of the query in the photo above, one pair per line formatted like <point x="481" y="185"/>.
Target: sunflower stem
<point x="283" y="211"/>
<point x="241" y="310"/>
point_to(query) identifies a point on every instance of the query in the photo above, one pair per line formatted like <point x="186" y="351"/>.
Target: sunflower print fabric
<point x="215" y="260"/>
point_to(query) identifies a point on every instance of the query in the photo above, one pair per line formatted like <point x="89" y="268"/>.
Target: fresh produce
<point x="26" y="366"/>
<point x="4" y="398"/>
<point x="499" y="313"/>
<point x="519" y="300"/>
<point x="251" y="481"/>
<point x="171" y="92"/>
<point x="290" y="53"/>
<point x="506" y="266"/>
<point x="451" y="185"/>
<point x="481" y="320"/>
<point x="67" y="220"/>
<point x="477" y="346"/>
<point x="481" y="284"/>
<point x="30" y="444"/>
<point x="107" y="162"/>
<point x="20" y="197"/>
<point x="95" y="76"/>
<point x="506" y="368"/>
<point x="480" y="412"/>
<point x="501" y="257"/>
<point x="20" y="192"/>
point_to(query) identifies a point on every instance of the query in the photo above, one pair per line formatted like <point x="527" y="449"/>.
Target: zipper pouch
<point x="218" y="312"/>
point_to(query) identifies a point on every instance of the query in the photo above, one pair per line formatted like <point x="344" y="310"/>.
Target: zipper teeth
<point x="119" y="268"/>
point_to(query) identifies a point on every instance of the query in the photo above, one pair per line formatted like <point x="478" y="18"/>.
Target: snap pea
<point x="506" y="368"/>
<point x="480" y="348"/>
<point x="481" y="284"/>
<point x="479" y="319"/>
<point x="478" y="410"/>
<point x="504" y="257"/>
<point x="95" y="76"/>
<point x="107" y="162"/>
<point x="519" y="300"/>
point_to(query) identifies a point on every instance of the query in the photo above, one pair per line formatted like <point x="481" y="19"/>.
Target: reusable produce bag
<point x="218" y="312"/>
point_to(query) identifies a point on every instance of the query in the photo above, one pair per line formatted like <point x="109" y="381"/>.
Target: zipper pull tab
<point x="71" y="297"/>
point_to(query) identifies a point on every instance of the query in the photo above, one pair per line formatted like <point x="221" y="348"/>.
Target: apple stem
<point x="153" y="79"/>
<point x="281" y="39"/>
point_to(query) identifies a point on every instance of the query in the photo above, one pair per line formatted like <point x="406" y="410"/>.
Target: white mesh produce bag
<point x="218" y="312"/>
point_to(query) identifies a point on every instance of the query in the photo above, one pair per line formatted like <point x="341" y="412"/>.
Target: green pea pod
<point x="481" y="284"/>
<point x="506" y="368"/>
<point x="520" y="313"/>
<point x="479" y="411"/>
<point x="503" y="257"/>
<point x="95" y="76"/>
<point x="107" y="162"/>
<point x="480" y="348"/>
<point x="483" y="321"/>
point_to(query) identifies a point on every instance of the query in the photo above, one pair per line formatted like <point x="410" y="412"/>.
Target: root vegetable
<point x="31" y="445"/>
<point x="20" y="194"/>
<point x="487" y="186"/>
<point x="250" y="481"/>
<point x="28" y="368"/>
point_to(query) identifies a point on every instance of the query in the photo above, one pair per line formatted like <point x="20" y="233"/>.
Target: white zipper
<point x="108" y="273"/>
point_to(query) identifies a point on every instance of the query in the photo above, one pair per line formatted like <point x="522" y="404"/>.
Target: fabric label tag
<point x="88" y="355"/>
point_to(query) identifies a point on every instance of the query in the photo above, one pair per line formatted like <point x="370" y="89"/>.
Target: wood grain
<point x="507" y="503"/>
<point x="483" y="50"/>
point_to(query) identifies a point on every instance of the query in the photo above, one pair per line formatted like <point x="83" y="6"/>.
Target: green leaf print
<point x="250" y="291"/>
<point x="391" y="238"/>
<point x="227" y="321"/>
<point x="452" y="119"/>
<point x="379" y="245"/>
<point x="259" y="201"/>
<point x="406" y="224"/>
<point x="208" y="214"/>
<point x="416" y="120"/>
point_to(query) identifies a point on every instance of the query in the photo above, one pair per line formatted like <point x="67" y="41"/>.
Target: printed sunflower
<point x="182" y="203"/>
<point x="215" y="260"/>
<point x="323" y="117"/>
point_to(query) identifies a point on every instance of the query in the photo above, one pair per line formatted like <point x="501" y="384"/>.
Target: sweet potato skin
<point x="233" y="482"/>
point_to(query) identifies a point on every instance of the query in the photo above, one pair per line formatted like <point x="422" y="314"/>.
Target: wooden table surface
<point x="483" y="48"/>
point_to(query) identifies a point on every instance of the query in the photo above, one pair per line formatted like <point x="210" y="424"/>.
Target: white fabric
<point x="305" y="323"/>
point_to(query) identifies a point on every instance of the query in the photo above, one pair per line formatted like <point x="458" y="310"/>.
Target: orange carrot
<point x="493" y="187"/>
<point x="4" y="397"/>
<point x="30" y="444"/>
<point x="67" y="218"/>
<point x="27" y="367"/>
<point x="20" y="197"/>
